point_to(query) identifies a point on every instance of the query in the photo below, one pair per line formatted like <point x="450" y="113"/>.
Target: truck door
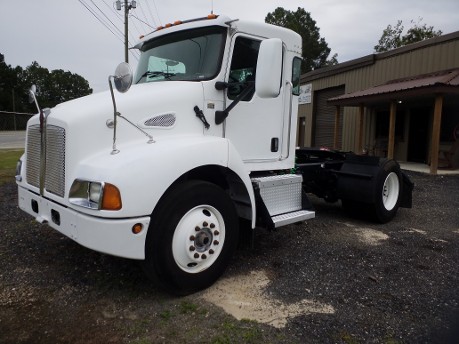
<point x="254" y="125"/>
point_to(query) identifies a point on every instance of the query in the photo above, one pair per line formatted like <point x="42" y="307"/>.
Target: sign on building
<point x="305" y="94"/>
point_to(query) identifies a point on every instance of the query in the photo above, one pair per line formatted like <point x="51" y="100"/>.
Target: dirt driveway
<point x="333" y="279"/>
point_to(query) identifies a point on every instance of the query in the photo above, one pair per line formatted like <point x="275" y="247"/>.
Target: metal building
<point x="403" y="103"/>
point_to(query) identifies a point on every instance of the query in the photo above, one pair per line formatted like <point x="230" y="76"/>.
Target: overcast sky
<point x="64" y="34"/>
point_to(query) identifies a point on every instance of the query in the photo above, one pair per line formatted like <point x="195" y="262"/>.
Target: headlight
<point x="95" y="192"/>
<point x="95" y="195"/>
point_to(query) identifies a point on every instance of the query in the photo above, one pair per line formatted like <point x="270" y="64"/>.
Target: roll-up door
<point x="324" y="117"/>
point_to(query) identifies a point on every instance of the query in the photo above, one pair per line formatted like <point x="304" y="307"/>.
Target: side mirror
<point x="123" y="77"/>
<point x="269" y="68"/>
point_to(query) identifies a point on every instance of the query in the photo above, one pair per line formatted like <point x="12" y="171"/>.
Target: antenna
<point x="212" y="7"/>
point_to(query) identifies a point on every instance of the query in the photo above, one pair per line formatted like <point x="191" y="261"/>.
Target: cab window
<point x="243" y="67"/>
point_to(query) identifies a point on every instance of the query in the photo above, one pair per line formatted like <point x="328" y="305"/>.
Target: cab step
<point x="280" y="200"/>
<point x="293" y="217"/>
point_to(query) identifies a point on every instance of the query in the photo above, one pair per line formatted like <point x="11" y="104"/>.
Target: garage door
<point x="324" y="117"/>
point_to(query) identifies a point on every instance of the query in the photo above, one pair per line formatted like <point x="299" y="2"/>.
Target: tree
<point x="315" y="49"/>
<point x="56" y="86"/>
<point x="53" y="87"/>
<point x="10" y="87"/>
<point x="392" y="37"/>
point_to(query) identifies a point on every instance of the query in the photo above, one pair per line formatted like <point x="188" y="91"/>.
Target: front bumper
<point x="111" y="236"/>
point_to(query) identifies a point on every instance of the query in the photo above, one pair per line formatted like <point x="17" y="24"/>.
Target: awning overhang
<point x="444" y="82"/>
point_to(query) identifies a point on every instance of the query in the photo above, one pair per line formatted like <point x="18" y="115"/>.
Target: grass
<point x="8" y="161"/>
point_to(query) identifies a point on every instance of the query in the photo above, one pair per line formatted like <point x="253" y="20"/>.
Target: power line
<point x="157" y="13"/>
<point x="98" y="19"/>
<point x="91" y="10"/>
<point x="150" y="26"/>
<point x="106" y="17"/>
<point x="150" y="12"/>
<point x="112" y="9"/>
<point x="144" y="15"/>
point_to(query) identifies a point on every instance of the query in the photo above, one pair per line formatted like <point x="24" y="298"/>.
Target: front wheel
<point x="191" y="238"/>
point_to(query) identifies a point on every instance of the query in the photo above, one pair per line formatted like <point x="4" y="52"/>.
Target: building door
<point x="419" y="135"/>
<point x="324" y="118"/>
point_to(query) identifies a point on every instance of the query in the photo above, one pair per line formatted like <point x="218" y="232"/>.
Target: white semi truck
<point x="164" y="171"/>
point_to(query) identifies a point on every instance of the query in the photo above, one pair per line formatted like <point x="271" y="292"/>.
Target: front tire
<point x="191" y="238"/>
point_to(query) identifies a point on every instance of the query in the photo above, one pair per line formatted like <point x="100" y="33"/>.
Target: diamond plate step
<point x="293" y="217"/>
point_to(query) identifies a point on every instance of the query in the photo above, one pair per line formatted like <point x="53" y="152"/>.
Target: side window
<point x="296" y="74"/>
<point x="243" y="66"/>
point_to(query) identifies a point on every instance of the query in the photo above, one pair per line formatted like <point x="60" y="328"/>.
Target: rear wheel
<point x="386" y="189"/>
<point x="191" y="238"/>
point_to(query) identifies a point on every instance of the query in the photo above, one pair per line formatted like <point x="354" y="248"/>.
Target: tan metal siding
<point x="422" y="59"/>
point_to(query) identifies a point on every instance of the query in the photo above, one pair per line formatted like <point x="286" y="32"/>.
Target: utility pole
<point x="127" y="6"/>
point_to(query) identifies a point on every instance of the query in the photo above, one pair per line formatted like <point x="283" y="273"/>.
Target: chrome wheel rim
<point x="391" y="190"/>
<point x="198" y="239"/>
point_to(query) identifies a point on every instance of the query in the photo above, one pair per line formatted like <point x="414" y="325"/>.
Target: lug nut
<point x="203" y="256"/>
<point x="211" y="251"/>
<point x="192" y="238"/>
<point x="196" y="255"/>
<point x="216" y="242"/>
<point x="216" y="233"/>
<point x="205" y="224"/>
<point x="197" y="229"/>
<point x="212" y="225"/>
<point x="192" y="248"/>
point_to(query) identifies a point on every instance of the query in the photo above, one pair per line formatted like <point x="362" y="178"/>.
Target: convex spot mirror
<point x="32" y="93"/>
<point x="123" y="77"/>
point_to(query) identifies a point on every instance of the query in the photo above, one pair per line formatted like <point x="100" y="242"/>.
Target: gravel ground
<point x="367" y="283"/>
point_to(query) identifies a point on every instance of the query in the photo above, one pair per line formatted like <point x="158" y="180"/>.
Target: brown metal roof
<point x="439" y="82"/>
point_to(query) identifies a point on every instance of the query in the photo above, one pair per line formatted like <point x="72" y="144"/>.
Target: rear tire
<point x="388" y="191"/>
<point x="383" y="199"/>
<point x="191" y="238"/>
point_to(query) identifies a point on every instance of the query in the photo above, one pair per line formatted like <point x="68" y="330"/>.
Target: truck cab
<point x="164" y="172"/>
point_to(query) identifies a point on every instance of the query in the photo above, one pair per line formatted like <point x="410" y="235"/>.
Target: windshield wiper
<point x="166" y="75"/>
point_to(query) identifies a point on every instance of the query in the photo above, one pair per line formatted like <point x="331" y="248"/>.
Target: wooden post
<point x="436" y="134"/>
<point x="359" y="148"/>
<point x="336" y="133"/>
<point x="391" y="143"/>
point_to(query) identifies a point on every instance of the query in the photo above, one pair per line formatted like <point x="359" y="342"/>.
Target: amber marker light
<point x="137" y="228"/>
<point x="212" y="16"/>
<point x="111" y="199"/>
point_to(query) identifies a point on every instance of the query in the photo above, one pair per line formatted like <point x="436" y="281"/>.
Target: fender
<point x="143" y="172"/>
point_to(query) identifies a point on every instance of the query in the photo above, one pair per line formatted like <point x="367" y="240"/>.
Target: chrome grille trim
<point x="164" y="121"/>
<point x="55" y="160"/>
<point x="54" y="173"/>
<point x="33" y="156"/>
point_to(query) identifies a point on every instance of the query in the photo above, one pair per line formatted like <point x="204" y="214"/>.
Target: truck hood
<point x="160" y="108"/>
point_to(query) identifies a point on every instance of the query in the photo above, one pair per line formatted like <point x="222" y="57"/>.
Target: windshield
<point x="191" y="55"/>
